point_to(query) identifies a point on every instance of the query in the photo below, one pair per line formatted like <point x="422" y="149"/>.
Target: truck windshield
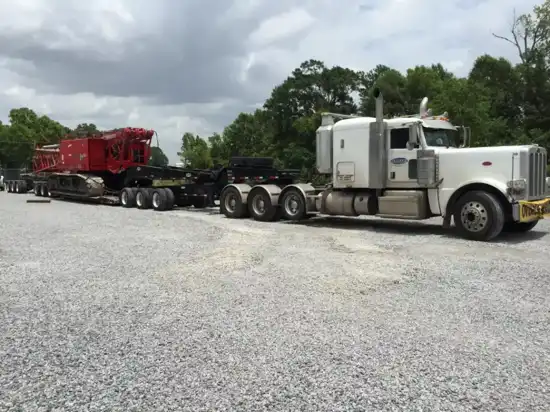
<point x="440" y="137"/>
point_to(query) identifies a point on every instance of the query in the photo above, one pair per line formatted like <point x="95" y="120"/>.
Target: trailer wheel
<point x="128" y="197"/>
<point x="293" y="205"/>
<point x="260" y="206"/>
<point x="159" y="199"/>
<point x="44" y="190"/>
<point x="170" y="198"/>
<point x="232" y="205"/>
<point x="143" y="198"/>
<point x="10" y="187"/>
<point x="479" y="216"/>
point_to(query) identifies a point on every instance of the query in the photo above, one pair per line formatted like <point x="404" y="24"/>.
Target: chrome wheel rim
<point x="156" y="200"/>
<point x="258" y="205"/>
<point x="231" y="202"/>
<point x="292" y="203"/>
<point x="474" y="217"/>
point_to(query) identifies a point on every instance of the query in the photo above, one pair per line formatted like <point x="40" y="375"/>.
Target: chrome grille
<point x="536" y="182"/>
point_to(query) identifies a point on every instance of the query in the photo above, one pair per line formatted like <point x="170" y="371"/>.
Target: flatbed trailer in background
<point x="111" y="168"/>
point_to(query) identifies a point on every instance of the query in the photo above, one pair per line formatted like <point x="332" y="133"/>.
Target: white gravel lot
<point x="111" y="309"/>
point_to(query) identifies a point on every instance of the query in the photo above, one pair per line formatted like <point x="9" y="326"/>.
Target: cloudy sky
<point x="193" y="65"/>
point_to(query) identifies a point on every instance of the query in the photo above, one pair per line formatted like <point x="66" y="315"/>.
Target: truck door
<point x="402" y="166"/>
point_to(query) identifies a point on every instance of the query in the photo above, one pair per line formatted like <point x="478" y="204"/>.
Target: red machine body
<point x="111" y="151"/>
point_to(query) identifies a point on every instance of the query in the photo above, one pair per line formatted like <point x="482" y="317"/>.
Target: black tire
<point x="293" y="205"/>
<point x="22" y="186"/>
<point x="44" y="190"/>
<point x="170" y="198"/>
<point x="260" y="206"/>
<point x="519" y="227"/>
<point x="128" y="197"/>
<point x="159" y="199"/>
<point x="232" y="205"/>
<point x="143" y="198"/>
<point x="478" y="216"/>
<point x="37" y="190"/>
<point x="8" y="186"/>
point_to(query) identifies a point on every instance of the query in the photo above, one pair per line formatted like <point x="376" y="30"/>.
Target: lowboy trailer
<point x="111" y="168"/>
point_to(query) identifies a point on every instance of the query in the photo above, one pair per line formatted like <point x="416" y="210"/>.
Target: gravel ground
<point x="109" y="309"/>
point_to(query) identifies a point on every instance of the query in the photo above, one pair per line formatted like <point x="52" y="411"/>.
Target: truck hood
<point x="484" y="164"/>
<point x="473" y="151"/>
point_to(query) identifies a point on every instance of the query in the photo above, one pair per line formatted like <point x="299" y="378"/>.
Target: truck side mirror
<point x="413" y="136"/>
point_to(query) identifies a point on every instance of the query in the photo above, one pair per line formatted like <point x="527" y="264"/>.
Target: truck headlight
<point x="517" y="186"/>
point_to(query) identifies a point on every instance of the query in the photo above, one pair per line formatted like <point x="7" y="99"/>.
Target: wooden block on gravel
<point x="38" y="201"/>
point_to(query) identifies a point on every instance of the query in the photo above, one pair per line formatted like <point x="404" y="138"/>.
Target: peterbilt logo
<point x="399" y="160"/>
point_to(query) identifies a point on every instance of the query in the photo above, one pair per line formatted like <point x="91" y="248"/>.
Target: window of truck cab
<point x="440" y="137"/>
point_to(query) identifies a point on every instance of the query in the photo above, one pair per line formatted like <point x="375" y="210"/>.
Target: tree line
<point x="503" y="103"/>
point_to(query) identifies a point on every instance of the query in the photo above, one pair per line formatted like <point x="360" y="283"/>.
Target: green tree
<point x="25" y="131"/>
<point x="530" y="36"/>
<point x="195" y="152"/>
<point x="292" y="111"/>
<point x="85" y="129"/>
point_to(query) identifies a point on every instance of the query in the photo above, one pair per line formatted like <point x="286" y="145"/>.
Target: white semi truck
<point x="408" y="168"/>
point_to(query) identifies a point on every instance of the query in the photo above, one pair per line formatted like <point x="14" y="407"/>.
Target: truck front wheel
<point x="479" y="216"/>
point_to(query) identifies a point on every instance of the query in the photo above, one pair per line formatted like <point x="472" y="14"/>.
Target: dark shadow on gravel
<point x="409" y="228"/>
<point x="374" y="225"/>
<point x="84" y="201"/>
<point x="206" y="211"/>
<point x="386" y="226"/>
<point x="517" y="238"/>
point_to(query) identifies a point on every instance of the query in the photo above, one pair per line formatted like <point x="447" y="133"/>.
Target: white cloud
<point x="281" y="27"/>
<point x="166" y="70"/>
